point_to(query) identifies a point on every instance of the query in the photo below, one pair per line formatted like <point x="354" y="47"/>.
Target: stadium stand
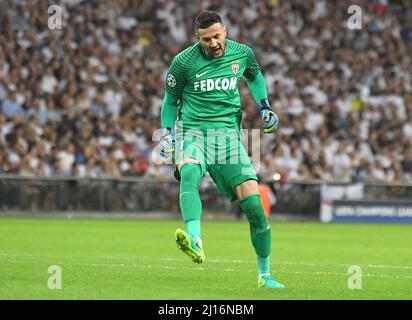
<point x="85" y="101"/>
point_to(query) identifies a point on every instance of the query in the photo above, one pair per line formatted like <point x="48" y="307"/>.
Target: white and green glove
<point x="271" y="120"/>
<point x="167" y="143"/>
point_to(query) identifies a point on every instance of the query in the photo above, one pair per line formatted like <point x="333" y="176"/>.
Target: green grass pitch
<point x="132" y="259"/>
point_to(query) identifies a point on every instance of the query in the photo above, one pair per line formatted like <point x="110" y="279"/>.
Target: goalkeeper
<point x="202" y="95"/>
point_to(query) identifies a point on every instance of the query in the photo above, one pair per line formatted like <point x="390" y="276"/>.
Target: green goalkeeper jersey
<point x="207" y="88"/>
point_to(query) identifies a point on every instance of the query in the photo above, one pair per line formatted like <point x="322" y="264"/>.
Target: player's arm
<point x="173" y="93"/>
<point x="167" y="118"/>
<point x="257" y="87"/>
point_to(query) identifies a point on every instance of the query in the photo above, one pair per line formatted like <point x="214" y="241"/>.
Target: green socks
<point x="189" y="199"/>
<point x="259" y="231"/>
<point x="193" y="228"/>
<point x="263" y="265"/>
<point x="191" y="208"/>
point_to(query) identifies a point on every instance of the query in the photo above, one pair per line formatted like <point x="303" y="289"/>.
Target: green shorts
<point x="221" y="154"/>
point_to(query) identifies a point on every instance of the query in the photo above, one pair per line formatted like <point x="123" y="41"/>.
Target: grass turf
<point x="140" y="260"/>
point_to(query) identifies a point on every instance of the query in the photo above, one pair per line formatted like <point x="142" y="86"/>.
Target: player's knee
<point x="246" y="189"/>
<point x="253" y="209"/>
<point x="190" y="174"/>
<point x="186" y="161"/>
<point x="260" y="221"/>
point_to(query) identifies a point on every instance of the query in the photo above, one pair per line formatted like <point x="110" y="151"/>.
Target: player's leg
<point x="189" y="198"/>
<point x="237" y="180"/>
<point x="190" y="168"/>
<point x="190" y="174"/>
<point x="248" y="194"/>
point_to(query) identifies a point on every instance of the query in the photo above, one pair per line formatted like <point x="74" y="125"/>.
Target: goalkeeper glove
<point x="167" y="142"/>
<point x="271" y="120"/>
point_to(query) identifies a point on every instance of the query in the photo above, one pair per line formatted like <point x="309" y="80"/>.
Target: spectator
<point x="90" y="86"/>
<point x="342" y="164"/>
<point x="406" y="165"/>
<point x="11" y="106"/>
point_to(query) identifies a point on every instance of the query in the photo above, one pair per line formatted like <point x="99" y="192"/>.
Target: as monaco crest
<point x="235" y="67"/>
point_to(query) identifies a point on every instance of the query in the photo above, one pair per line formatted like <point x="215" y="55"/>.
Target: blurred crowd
<point x="85" y="100"/>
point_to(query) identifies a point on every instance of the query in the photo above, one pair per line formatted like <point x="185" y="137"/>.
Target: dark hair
<point x="207" y="18"/>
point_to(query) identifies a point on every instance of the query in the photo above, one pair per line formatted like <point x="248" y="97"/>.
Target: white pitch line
<point x="225" y="270"/>
<point x="234" y="261"/>
<point x="392" y="267"/>
<point x="298" y="263"/>
<point x="104" y="265"/>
